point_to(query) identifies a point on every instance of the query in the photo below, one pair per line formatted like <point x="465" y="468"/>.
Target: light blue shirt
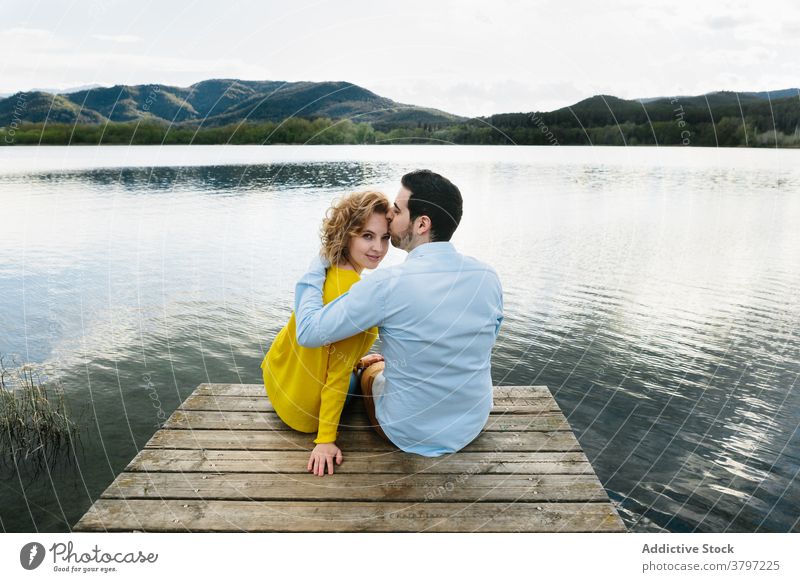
<point x="439" y="313"/>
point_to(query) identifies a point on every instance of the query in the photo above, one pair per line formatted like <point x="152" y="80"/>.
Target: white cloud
<point x="120" y="38"/>
<point x="477" y="98"/>
<point x="36" y="66"/>
<point x="727" y="59"/>
<point x="25" y="34"/>
<point x="725" y="21"/>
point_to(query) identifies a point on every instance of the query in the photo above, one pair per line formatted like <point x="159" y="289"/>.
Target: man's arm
<point x="359" y="309"/>
<point x="499" y="316"/>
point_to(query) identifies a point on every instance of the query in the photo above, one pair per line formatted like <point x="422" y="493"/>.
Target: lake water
<point x="654" y="290"/>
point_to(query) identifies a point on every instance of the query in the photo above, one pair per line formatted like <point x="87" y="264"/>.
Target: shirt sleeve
<point x="342" y="356"/>
<point x="499" y="316"/>
<point x="357" y="310"/>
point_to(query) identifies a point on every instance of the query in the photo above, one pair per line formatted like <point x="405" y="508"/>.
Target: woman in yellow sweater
<point x="308" y="386"/>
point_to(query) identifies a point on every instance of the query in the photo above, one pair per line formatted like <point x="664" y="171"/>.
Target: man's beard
<point x="402" y="241"/>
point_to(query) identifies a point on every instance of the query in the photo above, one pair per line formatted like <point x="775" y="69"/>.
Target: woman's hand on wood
<point x="322" y="457"/>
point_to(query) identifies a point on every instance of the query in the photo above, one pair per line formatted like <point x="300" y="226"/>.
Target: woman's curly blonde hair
<point x="346" y="218"/>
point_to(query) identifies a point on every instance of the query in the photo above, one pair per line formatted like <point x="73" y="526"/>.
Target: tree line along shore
<point x="726" y="132"/>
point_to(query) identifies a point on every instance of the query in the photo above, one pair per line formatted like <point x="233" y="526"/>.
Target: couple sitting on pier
<point x="438" y="315"/>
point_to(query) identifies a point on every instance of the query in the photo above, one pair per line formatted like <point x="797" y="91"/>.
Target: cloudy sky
<point x="466" y="57"/>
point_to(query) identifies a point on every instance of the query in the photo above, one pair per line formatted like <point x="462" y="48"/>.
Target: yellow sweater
<point x="308" y="386"/>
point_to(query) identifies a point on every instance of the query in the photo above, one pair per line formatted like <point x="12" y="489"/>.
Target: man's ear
<point x="423" y="224"/>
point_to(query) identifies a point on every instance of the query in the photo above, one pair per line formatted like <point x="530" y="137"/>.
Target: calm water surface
<point x="653" y="290"/>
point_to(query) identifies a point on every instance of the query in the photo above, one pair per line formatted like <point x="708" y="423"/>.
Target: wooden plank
<point x="351" y="440"/>
<point x="506" y="407"/>
<point x="357" y="487"/>
<point x="259" y="390"/>
<point x="346" y="516"/>
<point x="544" y="421"/>
<point x="396" y="462"/>
<point x="229" y="403"/>
<point x="355" y="419"/>
<point x="262" y="404"/>
<point x="522" y="391"/>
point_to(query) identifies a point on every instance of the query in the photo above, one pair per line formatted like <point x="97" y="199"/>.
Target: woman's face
<point x="366" y="250"/>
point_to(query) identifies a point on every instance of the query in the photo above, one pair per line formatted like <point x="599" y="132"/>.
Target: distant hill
<point x="36" y="106"/>
<point x="717" y="119"/>
<point x="777" y="94"/>
<point x="217" y="102"/>
<point x="747" y="96"/>
<point x="265" y="112"/>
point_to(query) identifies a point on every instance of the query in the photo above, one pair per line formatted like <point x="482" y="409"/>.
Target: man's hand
<point x="368" y="360"/>
<point x="323" y="456"/>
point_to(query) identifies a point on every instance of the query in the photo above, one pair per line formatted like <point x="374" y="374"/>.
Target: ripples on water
<point x="653" y="290"/>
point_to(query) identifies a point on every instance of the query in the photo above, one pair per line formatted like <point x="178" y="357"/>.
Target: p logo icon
<point x="31" y="555"/>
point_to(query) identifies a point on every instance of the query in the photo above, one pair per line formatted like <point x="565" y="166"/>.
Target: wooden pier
<point x="225" y="462"/>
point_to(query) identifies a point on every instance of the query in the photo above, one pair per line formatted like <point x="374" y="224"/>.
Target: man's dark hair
<point x="437" y="198"/>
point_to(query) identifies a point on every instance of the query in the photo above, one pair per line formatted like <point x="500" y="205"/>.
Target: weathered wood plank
<point x="357" y="487"/>
<point x="346" y="516"/>
<point x="504" y="407"/>
<point x="351" y="441"/>
<point x="262" y="404"/>
<point x="395" y="462"/>
<point x="258" y="390"/>
<point x="544" y="421"/>
<point x="355" y="419"/>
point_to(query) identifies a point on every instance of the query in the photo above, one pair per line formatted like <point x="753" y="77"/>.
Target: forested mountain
<point x="265" y="112"/>
<point x="214" y="103"/>
<point x="717" y="119"/>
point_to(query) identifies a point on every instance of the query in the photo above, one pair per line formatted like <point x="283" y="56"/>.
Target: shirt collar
<point x="432" y="248"/>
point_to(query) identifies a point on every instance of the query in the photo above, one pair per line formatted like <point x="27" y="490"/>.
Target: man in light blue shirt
<point x="439" y="313"/>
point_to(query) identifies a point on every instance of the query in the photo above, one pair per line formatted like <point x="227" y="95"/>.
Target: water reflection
<point x="225" y="179"/>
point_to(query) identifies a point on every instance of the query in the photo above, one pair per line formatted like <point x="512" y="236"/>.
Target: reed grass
<point x="34" y="419"/>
